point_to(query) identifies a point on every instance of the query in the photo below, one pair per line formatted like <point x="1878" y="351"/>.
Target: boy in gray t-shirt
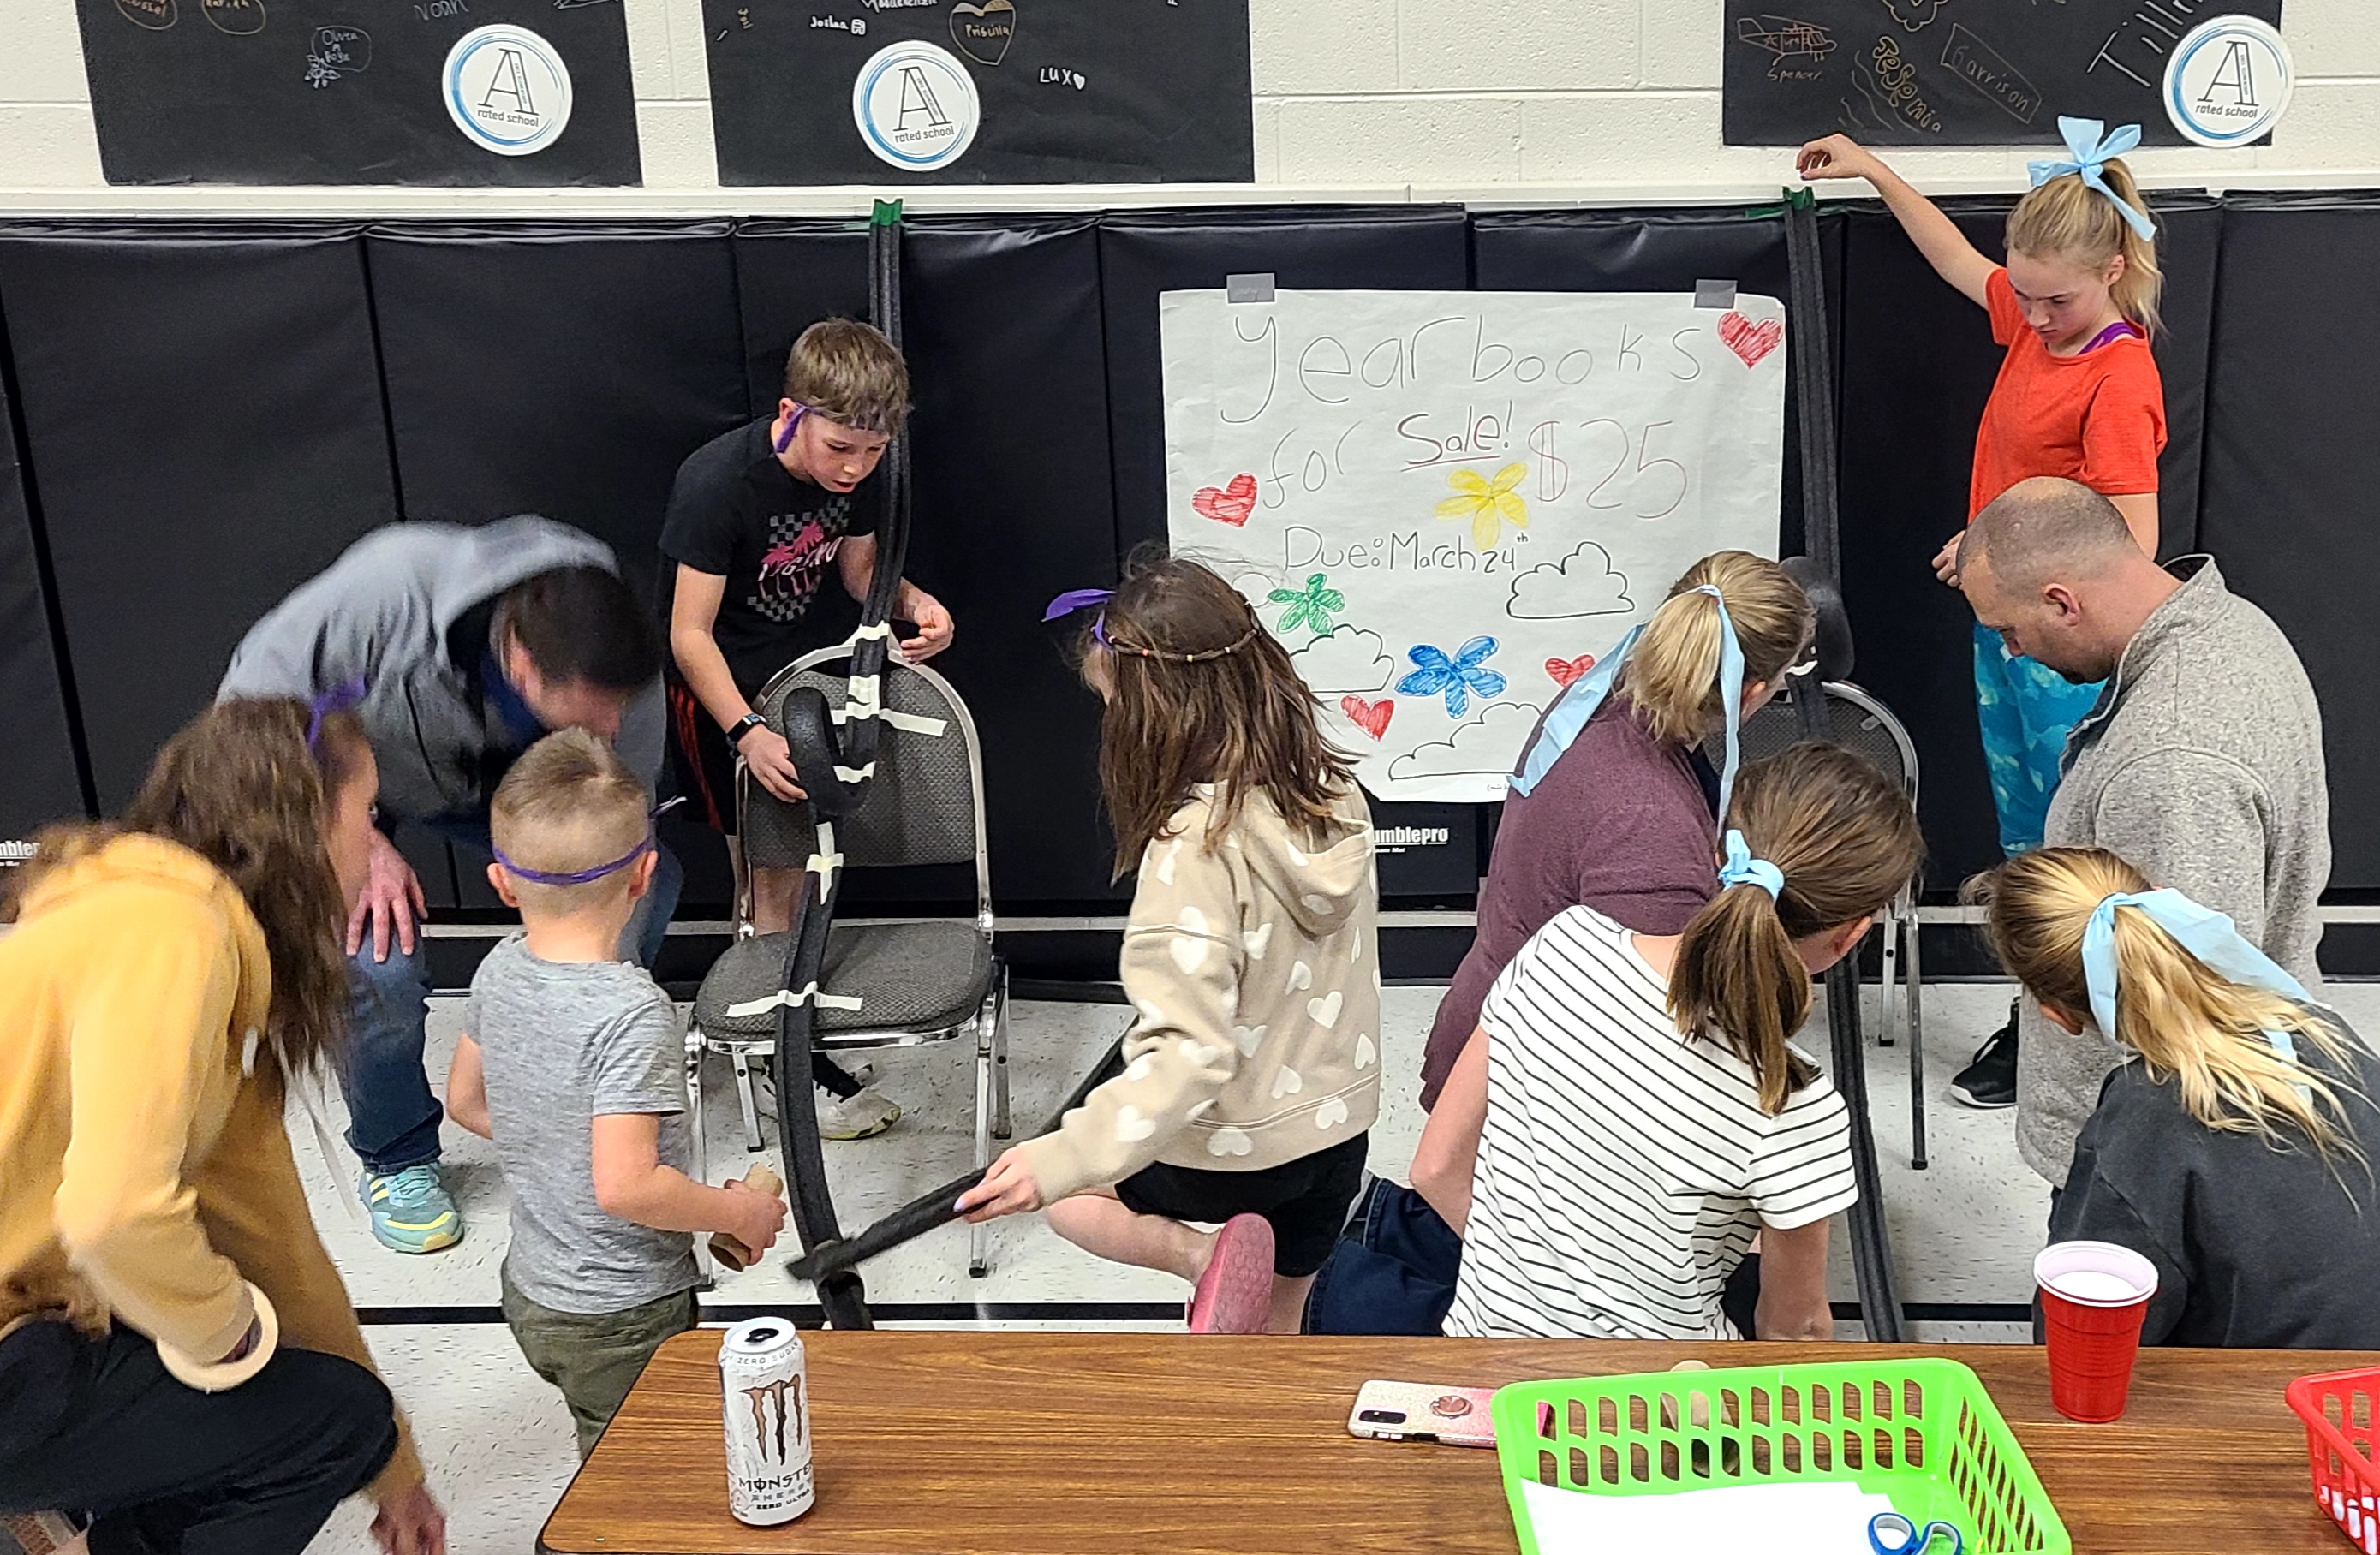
<point x="571" y="1062"/>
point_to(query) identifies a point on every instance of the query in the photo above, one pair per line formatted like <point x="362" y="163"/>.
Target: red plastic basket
<point x="2341" y="1411"/>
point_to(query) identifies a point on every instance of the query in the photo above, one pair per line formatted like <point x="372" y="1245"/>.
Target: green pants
<point x="594" y="1358"/>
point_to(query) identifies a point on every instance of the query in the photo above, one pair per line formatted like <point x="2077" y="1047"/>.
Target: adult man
<point x="2201" y="762"/>
<point x="459" y="647"/>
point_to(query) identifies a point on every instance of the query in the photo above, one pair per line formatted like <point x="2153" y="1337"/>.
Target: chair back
<point x="1861" y="724"/>
<point x="925" y="803"/>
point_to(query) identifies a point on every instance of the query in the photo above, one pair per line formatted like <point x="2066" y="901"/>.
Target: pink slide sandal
<point x="1235" y="1293"/>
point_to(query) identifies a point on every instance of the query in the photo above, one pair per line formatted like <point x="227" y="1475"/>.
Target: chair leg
<point x="1915" y="992"/>
<point x="745" y="1098"/>
<point x="979" y="1236"/>
<point x="1002" y="1126"/>
<point x="694" y="1048"/>
<point x="1885" y="990"/>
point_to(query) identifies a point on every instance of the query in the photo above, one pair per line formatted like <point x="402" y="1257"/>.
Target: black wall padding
<point x="1006" y="366"/>
<point x="202" y="414"/>
<point x="2291" y="467"/>
<point x="39" y="779"/>
<point x="1142" y="254"/>
<point x="1918" y="362"/>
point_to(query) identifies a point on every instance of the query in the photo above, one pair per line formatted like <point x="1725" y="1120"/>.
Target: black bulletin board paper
<point x="338" y="92"/>
<point x="1954" y="72"/>
<point x="1073" y="90"/>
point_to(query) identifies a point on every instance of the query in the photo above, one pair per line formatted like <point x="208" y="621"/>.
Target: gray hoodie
<point x="381" y="614"/>
<point x="2201" y="763"/>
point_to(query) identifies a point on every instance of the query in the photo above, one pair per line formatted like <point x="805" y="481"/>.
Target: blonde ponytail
<point x="2183" y="1019"/>
<point x="2066" y="218"/>
<point x="1671" y="675"/>
<point x="1845" y="839"/>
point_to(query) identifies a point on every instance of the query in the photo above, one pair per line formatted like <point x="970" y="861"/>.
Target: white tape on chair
<point x="915" y="723"/>
<point x="785" y="997"/>
<point x="855" y="774"/>
<point x="864" y="698"/>
<point x="882" y="629"/>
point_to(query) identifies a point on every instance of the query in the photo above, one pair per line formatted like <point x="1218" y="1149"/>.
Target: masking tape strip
<point x="786" y="997"/>
<point x="855" y="774"/>
<point x="915" y="723"/>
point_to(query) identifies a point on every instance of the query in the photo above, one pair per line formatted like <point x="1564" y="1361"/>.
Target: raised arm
<point x="1936" y="236"/>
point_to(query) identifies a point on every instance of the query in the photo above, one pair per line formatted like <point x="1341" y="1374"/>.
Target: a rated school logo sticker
<point x="2228" y="82"/>
<point x="916" y="106"/>
<point x="507" y="89"/>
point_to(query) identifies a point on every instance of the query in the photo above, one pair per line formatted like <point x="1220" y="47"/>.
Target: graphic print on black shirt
<point x="736" y="513"/>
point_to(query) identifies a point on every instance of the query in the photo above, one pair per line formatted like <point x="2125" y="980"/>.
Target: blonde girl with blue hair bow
<point x="2232" y="1147"/>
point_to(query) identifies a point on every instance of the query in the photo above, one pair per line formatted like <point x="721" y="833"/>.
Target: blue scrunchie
<point x="2204" y="933"/>
<point x="2089" y="151"/>
<point x="1582" y="696"/>
<point x="1738" y="867"/>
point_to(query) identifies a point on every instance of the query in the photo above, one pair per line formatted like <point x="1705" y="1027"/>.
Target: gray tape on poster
<point x="1257" y="288"/>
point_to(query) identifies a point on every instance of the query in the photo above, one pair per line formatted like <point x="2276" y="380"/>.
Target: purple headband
<point x="1074" y="599"/>
<point x="785" y="438"/>
<point x="587" y="877"/>
<point x="339" y="699"/>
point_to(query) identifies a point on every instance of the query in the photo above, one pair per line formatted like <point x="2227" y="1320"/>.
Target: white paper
<point x="1816" y="1517"/>
<point x="1522" y="472"/>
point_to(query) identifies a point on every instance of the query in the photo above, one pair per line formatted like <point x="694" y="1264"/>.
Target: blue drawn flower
<point x="1456" y="677"/>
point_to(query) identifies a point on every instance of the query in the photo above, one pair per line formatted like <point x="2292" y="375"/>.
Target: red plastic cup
<point x="2093" y="1298"/>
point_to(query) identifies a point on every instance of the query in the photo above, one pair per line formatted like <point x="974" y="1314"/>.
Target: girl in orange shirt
<point x="2078" y="395"/>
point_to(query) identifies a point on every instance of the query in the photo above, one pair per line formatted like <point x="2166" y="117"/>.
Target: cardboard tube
<point x="726" y="1249"/>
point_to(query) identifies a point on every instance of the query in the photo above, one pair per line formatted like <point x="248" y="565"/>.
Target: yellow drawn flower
<point x="1488" y="503"/>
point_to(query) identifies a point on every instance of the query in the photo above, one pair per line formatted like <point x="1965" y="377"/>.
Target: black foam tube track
<point x="1815" y="401"/>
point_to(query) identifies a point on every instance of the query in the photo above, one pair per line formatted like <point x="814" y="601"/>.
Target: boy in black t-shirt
<point x="758" y="519"/>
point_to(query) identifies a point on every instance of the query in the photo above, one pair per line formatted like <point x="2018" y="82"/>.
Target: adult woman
<point x="180" y="1358"/>
<point x="1630" y="1111"/>
<point x="2232" y="1148"/>
<point x="1617" y="813"/>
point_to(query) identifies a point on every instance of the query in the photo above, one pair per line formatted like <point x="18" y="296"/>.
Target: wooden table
<point x="996" y="1443"/>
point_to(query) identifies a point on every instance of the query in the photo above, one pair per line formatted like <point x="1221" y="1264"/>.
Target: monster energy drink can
<point x="765" y="1384"/>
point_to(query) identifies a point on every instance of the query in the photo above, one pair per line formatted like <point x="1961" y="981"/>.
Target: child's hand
<point x="1837" y="156"/>
<point x="1007" y="1189"/>
<point x="1946" y="560"/>
<point x="755" y="1218"/>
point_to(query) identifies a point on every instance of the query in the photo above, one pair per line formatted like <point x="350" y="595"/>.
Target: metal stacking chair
<point x="884" y="984"/>
<point x="1863" y="725"/>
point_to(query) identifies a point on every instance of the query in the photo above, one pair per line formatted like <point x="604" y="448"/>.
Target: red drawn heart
<point x="1229" y="503"/>
<point x="1747" y="339"/>
<point x="1371" y="717"/>
<point x="1562" y="671"/>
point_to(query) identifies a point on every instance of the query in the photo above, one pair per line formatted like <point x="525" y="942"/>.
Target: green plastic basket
<point x="1924" y="1432"/>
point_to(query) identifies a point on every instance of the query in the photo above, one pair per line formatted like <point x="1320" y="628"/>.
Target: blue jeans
<point x="393" y="1117"/>
<point x="2025" y="709"/>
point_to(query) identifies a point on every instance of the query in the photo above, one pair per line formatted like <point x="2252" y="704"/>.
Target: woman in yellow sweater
<point x="179" y="1359"/>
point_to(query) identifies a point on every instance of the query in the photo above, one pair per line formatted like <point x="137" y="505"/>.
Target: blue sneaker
<point x="411" y="1211"/>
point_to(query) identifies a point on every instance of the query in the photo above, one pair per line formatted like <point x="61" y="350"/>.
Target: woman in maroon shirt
<point x="1623" y="819"/>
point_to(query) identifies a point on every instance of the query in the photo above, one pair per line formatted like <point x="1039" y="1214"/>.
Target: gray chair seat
<point x="907" y="977"/>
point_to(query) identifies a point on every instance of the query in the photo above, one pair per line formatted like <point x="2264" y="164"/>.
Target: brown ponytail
<point x="1845" y="838"/>
<point x="1671" y="675"/>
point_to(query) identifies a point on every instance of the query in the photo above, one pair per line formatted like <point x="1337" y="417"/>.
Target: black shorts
<point x="702" y="768"/>
<point x="1306" y="1201"/>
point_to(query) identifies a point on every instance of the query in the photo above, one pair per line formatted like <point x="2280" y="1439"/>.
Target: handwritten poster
<point x="1445" y="505"/>
<point x="1954" y="72"/>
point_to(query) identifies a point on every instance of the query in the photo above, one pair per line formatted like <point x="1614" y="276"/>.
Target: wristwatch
<point x="744" y="725"/>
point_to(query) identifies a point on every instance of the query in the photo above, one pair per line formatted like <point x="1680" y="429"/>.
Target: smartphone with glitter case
<point x="1422" y="1412"/>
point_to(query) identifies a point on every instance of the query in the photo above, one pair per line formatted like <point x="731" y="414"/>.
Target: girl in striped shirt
<point x="1630" y="1113"/>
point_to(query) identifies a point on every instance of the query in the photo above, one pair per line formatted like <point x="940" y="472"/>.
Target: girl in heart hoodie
<point x="1253" y="1073"/>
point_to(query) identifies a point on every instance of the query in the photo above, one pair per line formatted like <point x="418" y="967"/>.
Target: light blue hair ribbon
<point x="2089" y="153"/>
<point x="1582" y="696"/>
<point x="2204" y="933"/>
<point x="1738" y="867"/>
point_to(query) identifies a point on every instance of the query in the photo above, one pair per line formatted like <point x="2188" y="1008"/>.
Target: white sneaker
<point x="858" y="1117"/>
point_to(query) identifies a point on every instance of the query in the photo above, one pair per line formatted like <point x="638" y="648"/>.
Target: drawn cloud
<point x="1583" y="583"/>
<point x="1486" y="746"/>
<point x="1347" y="660"/>
<point x="1915" y="15"/>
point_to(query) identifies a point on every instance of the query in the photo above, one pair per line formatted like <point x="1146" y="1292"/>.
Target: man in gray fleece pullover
<point x="2201" y="762"/>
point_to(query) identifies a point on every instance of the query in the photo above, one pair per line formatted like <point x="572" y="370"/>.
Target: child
<point x="1630" y="1113"/>
<point x="571" y="1062"/>
<point x="756" y="516"/>
<point x="2235" y="1153"/>
<point x="2078" y="395"/>
<point x="1254" y="1073"/>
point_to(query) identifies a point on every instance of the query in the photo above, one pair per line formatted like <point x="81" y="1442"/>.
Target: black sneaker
<point x="1989" y="1082"/>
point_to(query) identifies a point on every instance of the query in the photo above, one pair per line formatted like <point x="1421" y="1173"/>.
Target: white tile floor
<point x="499" y="1443"/>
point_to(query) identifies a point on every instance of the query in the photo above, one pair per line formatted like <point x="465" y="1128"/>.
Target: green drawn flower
<point x="1311" y="608"/>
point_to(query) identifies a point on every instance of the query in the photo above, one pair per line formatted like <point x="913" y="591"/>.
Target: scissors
<point x="1889" y="1532"/>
